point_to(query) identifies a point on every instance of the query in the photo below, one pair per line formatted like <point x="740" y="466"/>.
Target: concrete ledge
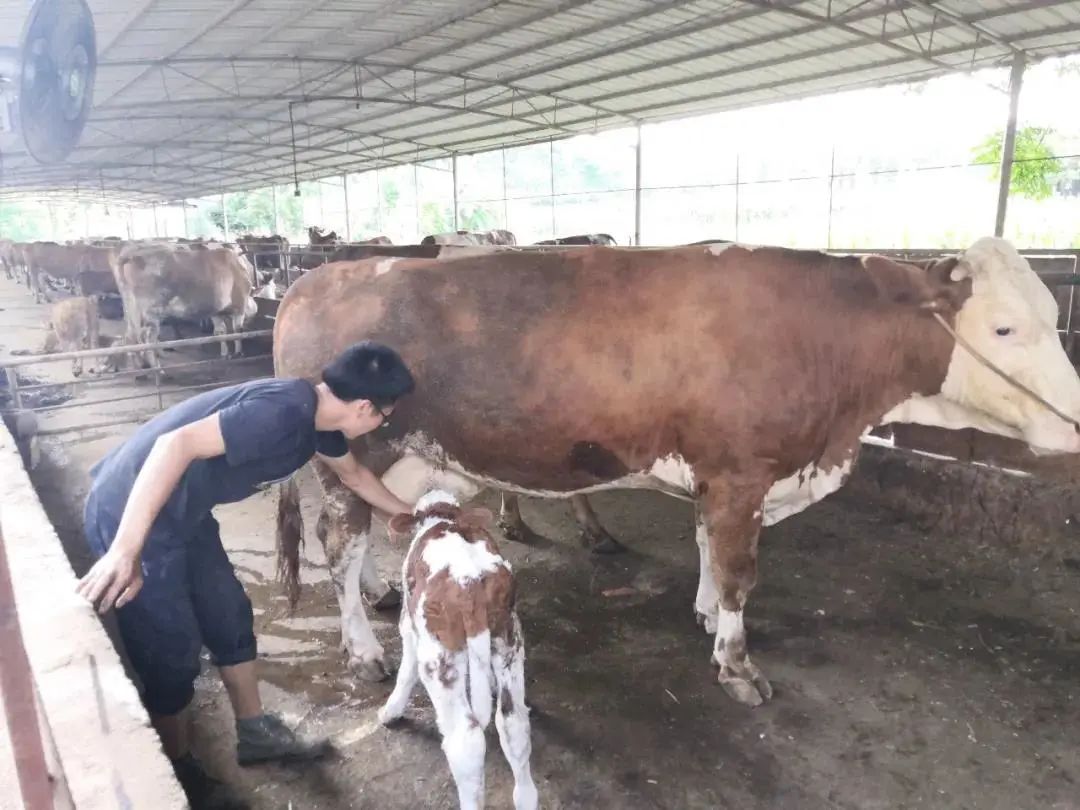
<point x="952" y="498"/>
<point x="107" y="752"/>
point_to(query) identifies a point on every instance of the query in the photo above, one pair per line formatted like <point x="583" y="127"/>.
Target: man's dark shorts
<point x="190" y="598"/>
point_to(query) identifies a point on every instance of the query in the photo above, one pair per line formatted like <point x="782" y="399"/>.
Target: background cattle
<point x="95" y="270"/>
<point x="317" y="237"/>
<point x="7" y="257"/>
<point x="264" y="252"/>
<point x="159" y="283"/>
<point x="354" y="251"/>
<point x="46" y="264"/>
<point x="582" y="239"/>
<point x="74" y="327"/>
<point x="465" y="238"/>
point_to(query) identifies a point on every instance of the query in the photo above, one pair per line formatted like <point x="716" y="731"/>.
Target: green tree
<point x="21" y="222"/>
<point x="436" y="218"/>
<point x="1035" y="165"/>
<point x="477" y="217"/>
<point x="249" y="212"/>
<point x="390" y="194"/>
<point x="290" y="212"/>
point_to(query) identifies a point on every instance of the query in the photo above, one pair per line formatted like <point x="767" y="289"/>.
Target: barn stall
<point x="919" y="627"/>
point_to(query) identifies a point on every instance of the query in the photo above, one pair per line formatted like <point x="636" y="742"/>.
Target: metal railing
<point x="17" y="391"/>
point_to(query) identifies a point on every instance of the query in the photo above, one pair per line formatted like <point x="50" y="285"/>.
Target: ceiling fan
<point x="47" y="83"/>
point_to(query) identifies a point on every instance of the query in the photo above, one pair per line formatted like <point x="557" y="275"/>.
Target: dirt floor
<point x="910" y="669"/>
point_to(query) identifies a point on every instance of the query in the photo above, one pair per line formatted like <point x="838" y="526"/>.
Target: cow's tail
<point x="478" y="662"/>
<point x="290" y="539"/>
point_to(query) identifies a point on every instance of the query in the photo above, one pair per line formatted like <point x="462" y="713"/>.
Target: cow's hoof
<point x="368" y="669"/>
<point x="706" y="621"/>
<point x="601" y="543"/>
<point x="518" y="532"/>
<point x="387" y="717"/>
<point x="389" y="600"/>
<point x="752" y="690"/>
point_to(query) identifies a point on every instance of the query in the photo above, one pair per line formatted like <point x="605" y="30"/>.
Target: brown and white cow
<point x="160" y="282"/>
<point x="497" y="236"/>
<point x="739" y="379"/>
<point x="461" y="637"/>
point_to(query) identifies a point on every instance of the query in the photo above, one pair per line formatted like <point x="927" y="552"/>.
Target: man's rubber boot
<point x="267" y="739"/>
<point x="203" y="791"/>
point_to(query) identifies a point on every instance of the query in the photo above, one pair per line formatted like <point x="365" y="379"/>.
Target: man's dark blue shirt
<point x="269" y="431"/>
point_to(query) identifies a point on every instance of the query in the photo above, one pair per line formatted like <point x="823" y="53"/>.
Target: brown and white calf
<point x="461" y="637"/>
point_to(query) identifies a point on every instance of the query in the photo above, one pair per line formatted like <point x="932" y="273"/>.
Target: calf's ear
<point x="476" y="517"/>
<point x="401" y="523"/>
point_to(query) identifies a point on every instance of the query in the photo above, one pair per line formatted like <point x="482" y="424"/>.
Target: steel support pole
<point x="637" y="188"/>
<point x="1008" y="149"/>
<point x="453" y="168"/>
<point x="345" y="189"/>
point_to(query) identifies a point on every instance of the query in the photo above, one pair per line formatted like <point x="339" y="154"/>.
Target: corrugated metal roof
<point x="194" y="97"/>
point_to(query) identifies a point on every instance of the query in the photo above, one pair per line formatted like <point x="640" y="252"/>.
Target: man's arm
<point x="365" y="483"/>
<point x="117" y="577"/>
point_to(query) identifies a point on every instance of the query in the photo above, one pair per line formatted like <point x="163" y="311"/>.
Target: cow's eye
<point x="1004" y="331"/>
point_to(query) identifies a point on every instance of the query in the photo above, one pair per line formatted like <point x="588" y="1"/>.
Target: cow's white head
<point x="1011" y="319"/>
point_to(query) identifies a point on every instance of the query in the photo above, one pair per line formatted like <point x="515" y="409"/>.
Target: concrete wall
<point x="109" y="756"/>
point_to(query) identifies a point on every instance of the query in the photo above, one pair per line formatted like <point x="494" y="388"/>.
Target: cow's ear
<point x="401" y="524"/>
<point x="949" y="283"/>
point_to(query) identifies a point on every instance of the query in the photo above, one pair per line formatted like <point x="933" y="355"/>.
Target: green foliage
<point x="252" y="212"/>
<point x="436" y="218"/>
<point x="21" y="222"/>
<point x="477" y="217"/>
<point x="249" y="212"/>
<point x="1034" y="166"/>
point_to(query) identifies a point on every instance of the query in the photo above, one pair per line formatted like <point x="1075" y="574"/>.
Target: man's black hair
<point x="369" y="370"/>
